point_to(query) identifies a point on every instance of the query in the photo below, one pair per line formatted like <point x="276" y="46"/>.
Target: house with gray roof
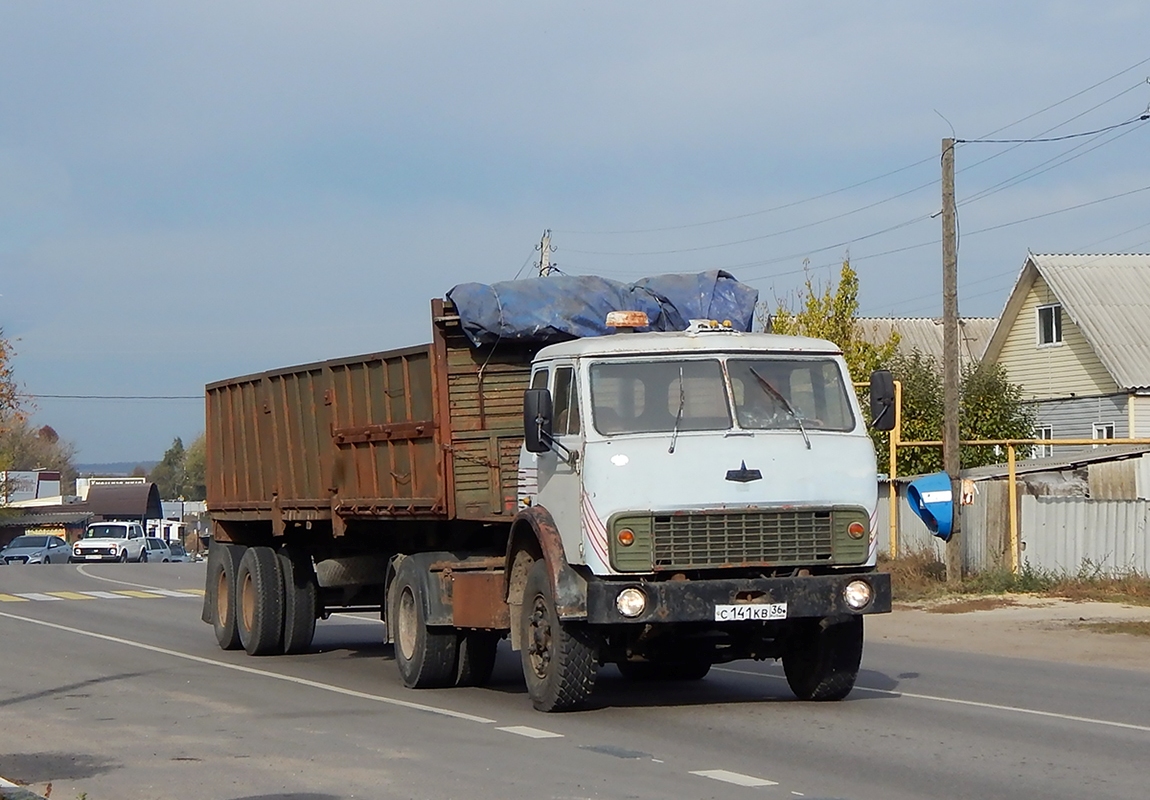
<point x="1075" y="334"/>
<point x="924" y="335"/>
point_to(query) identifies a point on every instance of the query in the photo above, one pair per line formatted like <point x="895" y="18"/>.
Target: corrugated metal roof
<point x="1108" y="297"/>
<point x="924" y="334"/>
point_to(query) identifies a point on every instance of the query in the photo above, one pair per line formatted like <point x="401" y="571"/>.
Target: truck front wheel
<point x="559" y="659"/>
<point x="426" y="656"/>
<point x="821" y="660"/>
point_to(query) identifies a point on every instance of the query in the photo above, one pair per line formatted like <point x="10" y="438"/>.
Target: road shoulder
<point x="1040" y="628"/>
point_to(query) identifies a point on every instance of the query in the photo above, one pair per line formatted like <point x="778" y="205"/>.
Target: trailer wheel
<point x="220" y="602"/>
<point x="260" y="606"/>
<point x="559" y="659"/>
<point x="822" y="660"/>
<point x="426" y="656"/>
<point x="299" y="601"/>
<point x="477" y="651"/>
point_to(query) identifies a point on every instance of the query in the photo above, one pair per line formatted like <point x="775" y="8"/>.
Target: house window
<point x="1103" y="430"/>
<point x="1049" y="325"/>
<point x="1043" y="450"/>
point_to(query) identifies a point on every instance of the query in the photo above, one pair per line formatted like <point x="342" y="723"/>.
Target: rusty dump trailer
<point x="339" y="466"/>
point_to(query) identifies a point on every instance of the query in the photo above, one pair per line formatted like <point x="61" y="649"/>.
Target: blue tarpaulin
<point x="561" y="307"/>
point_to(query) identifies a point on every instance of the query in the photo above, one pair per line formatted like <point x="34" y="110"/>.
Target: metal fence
<point x="1058" y="534"/>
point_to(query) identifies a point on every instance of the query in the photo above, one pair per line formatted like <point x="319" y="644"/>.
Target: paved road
<point x="118" y="691"/>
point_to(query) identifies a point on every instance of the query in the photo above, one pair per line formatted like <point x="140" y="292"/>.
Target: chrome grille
<point x="695" y="541"/>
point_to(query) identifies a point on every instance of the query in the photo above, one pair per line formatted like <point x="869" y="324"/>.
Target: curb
<point x="10" y="791"/>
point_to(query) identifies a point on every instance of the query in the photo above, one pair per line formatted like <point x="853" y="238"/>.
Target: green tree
<point x="991" y="407"/>
<point x="170" y="474"/>
<point x="195" y="470"/>
<point x="832" y="313"/>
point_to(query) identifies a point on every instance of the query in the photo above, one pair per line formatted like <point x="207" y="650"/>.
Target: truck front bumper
<point x="697" y="600"/>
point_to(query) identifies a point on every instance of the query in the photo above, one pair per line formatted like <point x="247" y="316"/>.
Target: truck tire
<point x="687" y="670"/>
<point x="299" y="601"/>
<point x="220" y="599"/>
<point x="477" y="651"/>
<point x="426" y="656"/>
<point x="260" y="602"/>
<point x="821" y="659"/>
<point x="559" y="659"/>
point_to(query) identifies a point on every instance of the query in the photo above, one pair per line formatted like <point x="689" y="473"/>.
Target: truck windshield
<point x="106" y="532"/>
<point x="647" y="397"/>
<point x="813" y="388"/>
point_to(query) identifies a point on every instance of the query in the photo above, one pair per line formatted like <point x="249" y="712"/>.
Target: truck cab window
<point x="566" y="400"/>
<point x="539" y="379"/>
<point x="815" y="391"/>
<point x="645" y="397"/>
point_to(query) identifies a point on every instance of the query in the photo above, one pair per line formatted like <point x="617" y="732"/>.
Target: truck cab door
<point x="560" y="483"/>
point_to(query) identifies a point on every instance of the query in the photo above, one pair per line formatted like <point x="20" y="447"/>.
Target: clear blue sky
<point x="194" y="191"/>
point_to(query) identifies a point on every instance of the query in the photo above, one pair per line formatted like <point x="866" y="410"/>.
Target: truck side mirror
<point x="882" y="400"/>
<point x="537" y="420"/>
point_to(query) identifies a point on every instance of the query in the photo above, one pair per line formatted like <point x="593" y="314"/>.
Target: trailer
<point x="602" y="500"/>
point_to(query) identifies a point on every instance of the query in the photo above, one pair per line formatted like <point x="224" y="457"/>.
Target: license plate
<point x="750" y="611"/>
<point x="94" y="556"/>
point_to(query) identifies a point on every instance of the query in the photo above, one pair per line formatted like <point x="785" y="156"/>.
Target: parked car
<point x="178" y="552"/>
<point x="34" y="550"/>
<point x="111" y="541"/>
<point x="157" y="550"/>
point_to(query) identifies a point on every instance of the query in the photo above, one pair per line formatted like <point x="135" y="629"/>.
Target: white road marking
<point x="170" y="593"/>
<point x="8" y="784"/>
<point x="736" y="778"/>
<point x="530" y="733"/>
<point x="36" y="596"/>
<point x="80" y="569"/>
<point x="106" y="595"/>
<point x="972" y="703"/>
<point x="327" y="687"/>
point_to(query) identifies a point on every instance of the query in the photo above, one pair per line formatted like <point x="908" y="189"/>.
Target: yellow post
<point x="1012" y="498"/>
<point x="892" y="491"/>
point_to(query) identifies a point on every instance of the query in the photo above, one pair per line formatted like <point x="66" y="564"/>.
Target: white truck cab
<point x="114" y="540"/>
<point x="716" y="492"/>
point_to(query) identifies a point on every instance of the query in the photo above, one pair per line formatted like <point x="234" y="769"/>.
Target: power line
<point x="1107" y="129"/>
<point x="877" y="177"/>
<point x="753" y="213"/>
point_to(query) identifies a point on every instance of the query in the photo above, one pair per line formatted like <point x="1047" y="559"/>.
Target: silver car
<point x="34" y="550"/>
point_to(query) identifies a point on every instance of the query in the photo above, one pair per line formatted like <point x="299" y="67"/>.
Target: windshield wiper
<point x="679" y="413"/>
<point x="777" y="395"/>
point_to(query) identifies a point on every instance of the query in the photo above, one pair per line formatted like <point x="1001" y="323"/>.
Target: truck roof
<point x="680" y="341"/>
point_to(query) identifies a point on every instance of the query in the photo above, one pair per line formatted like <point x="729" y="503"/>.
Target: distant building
<point x="22" y="486"/>
<point x="924" y="335"/>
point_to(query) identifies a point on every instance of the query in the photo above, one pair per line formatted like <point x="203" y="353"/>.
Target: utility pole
<point x="545" y="250"/>
<point x="950" y="368"/>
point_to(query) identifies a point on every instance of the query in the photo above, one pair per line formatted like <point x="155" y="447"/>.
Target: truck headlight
<point x="858" y="594"/>
<point x="631" y="602"/>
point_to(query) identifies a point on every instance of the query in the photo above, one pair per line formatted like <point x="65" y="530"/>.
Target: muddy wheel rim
<point x="539" y="638"/>
<point x="248" y="602"/>
<point x="407" y="624"/>
<point x="223" y="599"/>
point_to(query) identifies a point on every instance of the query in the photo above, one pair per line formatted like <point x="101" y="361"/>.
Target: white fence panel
<point x="1063" y="534"/>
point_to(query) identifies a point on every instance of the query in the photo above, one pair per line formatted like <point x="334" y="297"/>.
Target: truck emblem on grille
<point x="744" y="475"/>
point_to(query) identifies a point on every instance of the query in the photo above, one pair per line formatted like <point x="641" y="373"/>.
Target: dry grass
<point x="972" y="604"/>
<point x="1131" y="627"/>
<point x="918" y="577"/>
